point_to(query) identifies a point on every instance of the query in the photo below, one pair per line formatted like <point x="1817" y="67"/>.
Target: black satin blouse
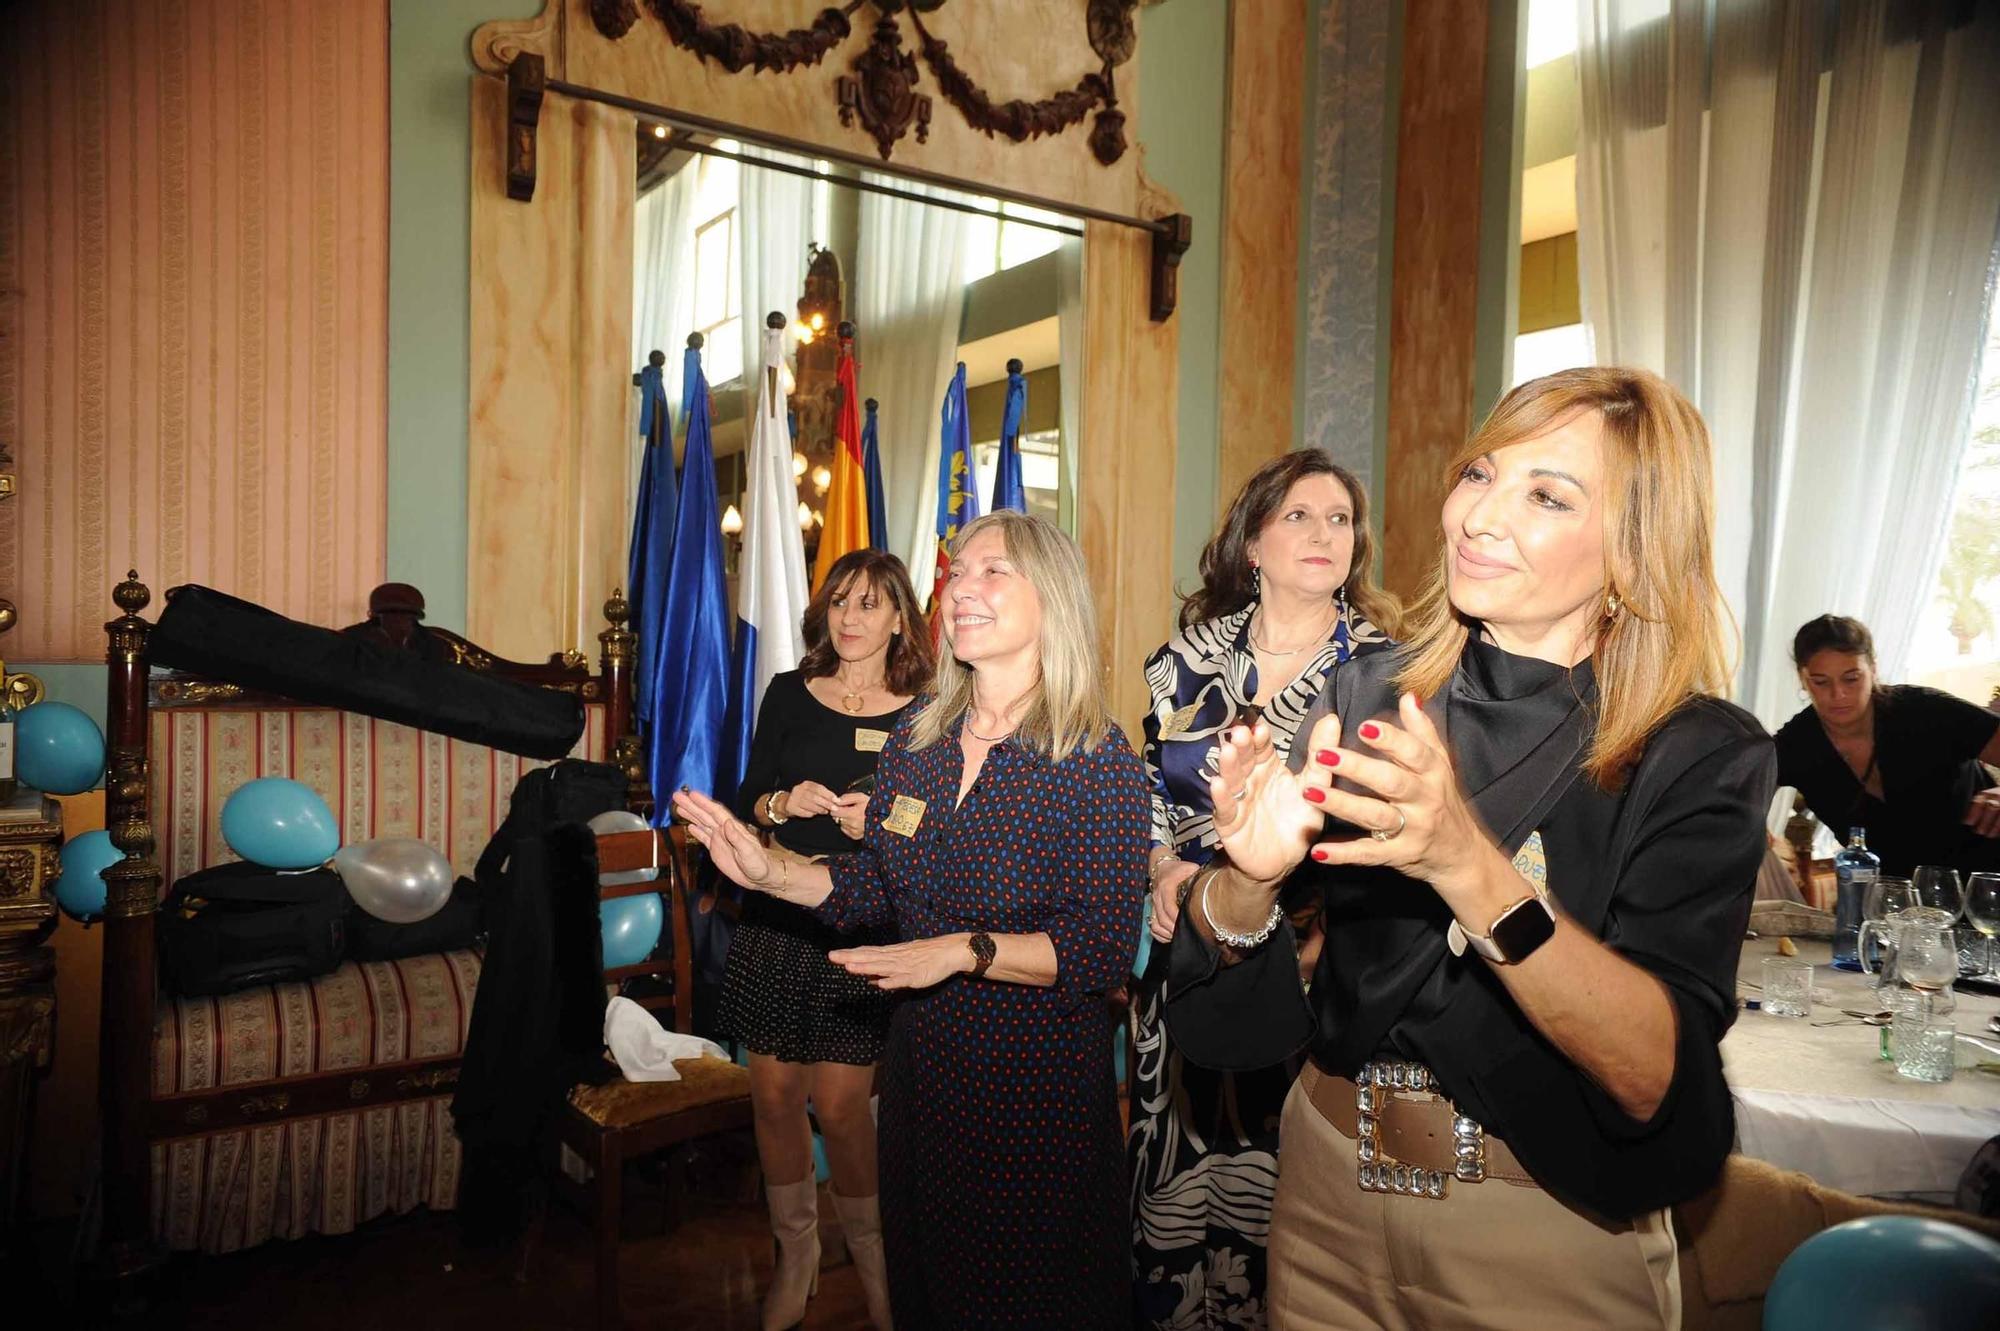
<point x="1663" y="869"/>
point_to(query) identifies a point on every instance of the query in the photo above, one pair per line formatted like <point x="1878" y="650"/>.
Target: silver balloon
<point x="622" y="820"/>
<point x="397" y="879"/>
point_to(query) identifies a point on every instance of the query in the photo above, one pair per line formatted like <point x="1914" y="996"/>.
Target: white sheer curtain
<point x="663" y="274"/>
<point x="1789" y="209"/>
<point x="773" y="219"/>
<point x="663" y="284"/>
<point x="908" y="298"/>
<point x="1069" y="330"/>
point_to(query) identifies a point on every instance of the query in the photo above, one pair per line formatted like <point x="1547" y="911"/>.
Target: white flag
<point x="771" y="578"/>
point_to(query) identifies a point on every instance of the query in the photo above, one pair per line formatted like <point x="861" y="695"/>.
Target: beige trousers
<point x="1492" y="1254"/>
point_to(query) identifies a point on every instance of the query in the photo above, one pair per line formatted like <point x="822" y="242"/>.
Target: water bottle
<point x="1854" y="869"/>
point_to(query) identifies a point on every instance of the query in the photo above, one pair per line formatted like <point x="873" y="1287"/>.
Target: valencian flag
<point x="1008" y="492"/>
<point x="687" y="690"/>
<point x="958" y="499"/>
<point x="871" y="468"/>
<point x="771" y="575"/>
<point x="847" y="498"/>
<point x="652" y="525"/>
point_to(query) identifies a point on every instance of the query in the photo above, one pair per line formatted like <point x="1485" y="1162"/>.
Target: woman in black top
<point x="1899" y="760"/>
<point x="1532" y="928"/>
<point x="812" y="1028"/>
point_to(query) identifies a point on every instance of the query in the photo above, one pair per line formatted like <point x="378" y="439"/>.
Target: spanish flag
<point x="847" y="498"/>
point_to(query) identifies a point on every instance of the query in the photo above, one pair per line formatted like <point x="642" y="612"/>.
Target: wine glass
<point x="1938" y="887"/>
<point x="1886" y="897"/>
<point x="1926" y="953"/>
<point x="1982" y="912"/>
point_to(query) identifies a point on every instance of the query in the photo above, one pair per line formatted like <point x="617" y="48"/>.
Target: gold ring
<point x="1390" y="834"/>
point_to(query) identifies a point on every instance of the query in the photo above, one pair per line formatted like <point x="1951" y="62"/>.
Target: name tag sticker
<point x="904" y="816"/>
<point x="870" y="741"/>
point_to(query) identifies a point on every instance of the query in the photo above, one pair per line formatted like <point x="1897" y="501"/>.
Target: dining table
<point x="1819" y="1095"/>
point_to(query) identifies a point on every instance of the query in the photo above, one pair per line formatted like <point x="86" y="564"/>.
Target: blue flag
<point x="1008" y="492"/>
<point x="958" y="488"/>
<point x="652" y="528"/>
<point x="871" y="469"/>
<point x="688" y="687"/>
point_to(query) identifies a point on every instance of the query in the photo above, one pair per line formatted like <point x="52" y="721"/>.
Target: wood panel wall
<point x="1260" y="278"/>
<point x="1435" y="273"/>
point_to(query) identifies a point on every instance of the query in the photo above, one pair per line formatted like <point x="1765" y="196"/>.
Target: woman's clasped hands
<point x="1404" y="799"/>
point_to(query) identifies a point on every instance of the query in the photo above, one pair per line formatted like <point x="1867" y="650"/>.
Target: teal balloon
<point x="631" y="928"/>
<point x="80" y="889"/>
<point x="1888" y="1273"/>
<point x="58" y="749"/>
<point x="280" y="824"/>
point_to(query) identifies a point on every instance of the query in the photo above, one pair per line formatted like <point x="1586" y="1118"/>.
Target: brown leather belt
<point x="1408" y="1138"/>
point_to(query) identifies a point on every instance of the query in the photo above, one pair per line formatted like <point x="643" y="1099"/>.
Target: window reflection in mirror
<point x="720" y="242"/>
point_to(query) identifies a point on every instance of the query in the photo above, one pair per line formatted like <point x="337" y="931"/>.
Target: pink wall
<point x="193" y="287"/>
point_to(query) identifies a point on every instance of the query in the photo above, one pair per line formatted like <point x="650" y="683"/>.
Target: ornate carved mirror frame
<point x="551" y="280"/>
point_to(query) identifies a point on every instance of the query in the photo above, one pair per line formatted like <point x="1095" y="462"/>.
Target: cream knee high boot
<point x="861" y="1221"/>
<point x="795" y="1225"/>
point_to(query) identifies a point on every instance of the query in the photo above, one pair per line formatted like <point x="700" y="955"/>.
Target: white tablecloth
<point x="1821" y="1099"/>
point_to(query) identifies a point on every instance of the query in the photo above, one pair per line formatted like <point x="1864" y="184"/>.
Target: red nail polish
<point x="1369" y="730"/>
<point x="1327" y="758"/>
<point x="1314" y="795"/>
<point x="1319" y="854"/>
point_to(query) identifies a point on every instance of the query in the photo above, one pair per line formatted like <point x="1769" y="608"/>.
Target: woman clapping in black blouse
<point x="812" y="1029"/>
<point x="1546" y="830"/>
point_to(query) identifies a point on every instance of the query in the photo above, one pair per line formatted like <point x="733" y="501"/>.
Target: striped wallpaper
<point x="193" y="287"/>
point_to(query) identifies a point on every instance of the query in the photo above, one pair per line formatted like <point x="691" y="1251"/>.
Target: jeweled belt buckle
<point x="1380" y="1172"/>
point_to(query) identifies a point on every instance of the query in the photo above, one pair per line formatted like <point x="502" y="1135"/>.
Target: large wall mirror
<point x="922" y="279"/>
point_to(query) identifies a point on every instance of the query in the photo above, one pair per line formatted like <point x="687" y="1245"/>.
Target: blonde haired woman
<point x="1006" y="843"/>
<point x="1532" y="925"/>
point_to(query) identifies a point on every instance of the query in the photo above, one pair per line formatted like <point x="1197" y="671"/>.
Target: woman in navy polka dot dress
<point x="1007" y="844"/>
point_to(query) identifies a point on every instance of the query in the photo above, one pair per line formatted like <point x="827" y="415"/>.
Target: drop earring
<point x="1256" y="582"/>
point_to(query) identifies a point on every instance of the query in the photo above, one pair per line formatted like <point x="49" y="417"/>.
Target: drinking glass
<point x="1937" y="887"/>
<point x="1924" y="1040"/>
<point x="1982" y="912"/>
<point x="1920" y="948"/>
<point x="1788" y="987"/>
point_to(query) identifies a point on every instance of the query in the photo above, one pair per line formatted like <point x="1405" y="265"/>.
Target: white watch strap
<point x="1458" y="938"/>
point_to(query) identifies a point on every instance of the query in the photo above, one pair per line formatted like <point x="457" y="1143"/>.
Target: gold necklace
<point x="852" y="701"/>
<point x="1310" y="642"/>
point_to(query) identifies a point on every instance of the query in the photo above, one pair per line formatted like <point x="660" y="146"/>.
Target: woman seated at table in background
<point x="813" y="1029"/>
<point x="1532" y="926"/>
<point x="1006" y="843"/>
<point x="1900" y="760"/>
<point x="1287" y="593"/>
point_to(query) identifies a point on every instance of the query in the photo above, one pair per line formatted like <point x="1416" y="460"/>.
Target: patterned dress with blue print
<point x="1203" y="1145"/>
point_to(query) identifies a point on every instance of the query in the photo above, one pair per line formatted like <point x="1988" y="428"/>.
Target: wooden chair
<point x="620" y="1121"/>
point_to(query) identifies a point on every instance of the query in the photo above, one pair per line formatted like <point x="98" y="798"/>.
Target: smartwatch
<point x="1513" y="936"/>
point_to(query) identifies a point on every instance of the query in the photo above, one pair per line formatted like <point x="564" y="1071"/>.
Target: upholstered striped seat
<point x="234" y="1187"/>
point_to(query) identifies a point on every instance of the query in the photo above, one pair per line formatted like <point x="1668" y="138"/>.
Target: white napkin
<point x="646" y="1050"/>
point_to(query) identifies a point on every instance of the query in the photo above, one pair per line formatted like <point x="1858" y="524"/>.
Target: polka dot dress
<point x="1002" y="1167"/>
<point x="782" y="997"/>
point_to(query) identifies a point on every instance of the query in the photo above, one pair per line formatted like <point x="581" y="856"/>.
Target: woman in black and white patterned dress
<point x="1287" y="595"/>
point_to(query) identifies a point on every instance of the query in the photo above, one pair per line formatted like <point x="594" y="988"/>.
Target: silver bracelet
<point x="1241" y="942"/>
